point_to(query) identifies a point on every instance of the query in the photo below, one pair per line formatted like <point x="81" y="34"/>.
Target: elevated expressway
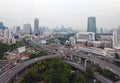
<point x="104" y="64"/>
<point x="79" y="67"/>
<point x="7" y="76"/>
<point x="12" y="74"/>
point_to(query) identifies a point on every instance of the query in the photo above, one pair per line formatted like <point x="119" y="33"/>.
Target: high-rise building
<point x="16" y="29"/>
<point x="27" y="28"/>
<point x="91" y="27"/>
<point x="2" y="26"/>
<point x="85" y="36"/>
<point x="116" y="39"/>
<point x="7" y="33"/>
<point x="36" y="26"/>
<point x="118" y="29"/>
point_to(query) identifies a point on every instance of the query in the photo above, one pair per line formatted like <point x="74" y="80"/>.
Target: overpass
<point x="104" y="33"/>
<point x="12" y="74"/>
<point x="102" y="63"/>
<point x="97" y="76"/>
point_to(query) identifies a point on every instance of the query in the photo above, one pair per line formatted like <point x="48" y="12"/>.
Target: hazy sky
<point x="70" y="13"/>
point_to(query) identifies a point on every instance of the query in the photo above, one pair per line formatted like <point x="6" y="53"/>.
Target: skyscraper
<point x="36" y="26"/>
<point x="2" y="26"/>
<point x="16" y="29"/>
<point x="91" y="27"/>
<point x="27" y="28"/>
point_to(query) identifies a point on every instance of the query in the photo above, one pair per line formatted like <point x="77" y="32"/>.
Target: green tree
<point x="31" y="77"/>
<point x="117" y="56"/>
<point x="109" y="74"/>
<point x="101" y="46"/>
<point x="89" y="72"/>
<point x="52" y="71"/>
<point x="77" y="78"/>
<point x="99" y="70"/>
<point x="86" y="43"/>
<point x="35" y="55"/>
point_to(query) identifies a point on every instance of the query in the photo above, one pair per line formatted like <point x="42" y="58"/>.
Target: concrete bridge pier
<point x="85" y="63"/>
<point x="79" y="61"/>
<point x="71" y="57"/>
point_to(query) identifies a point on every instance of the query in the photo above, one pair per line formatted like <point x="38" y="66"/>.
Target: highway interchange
<point x="13" y="71"/>
<point x="6" y="76"/>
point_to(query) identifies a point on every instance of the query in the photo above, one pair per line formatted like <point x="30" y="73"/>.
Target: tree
<point x="101" y="46"/>
<point x="52" y="71"/>
<point x="77" y="78"/>
<point x="86" y="43"/>
<point x="117" y="56"/>
<point x="31" y="77"/>
<point x="89" y="72"/>
<point x="35" y="55"/>
<point x="99" y="70"/>
<point x="108" y="74"/>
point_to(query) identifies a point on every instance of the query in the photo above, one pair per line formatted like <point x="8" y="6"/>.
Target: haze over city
<point x="70" y="13"/>
<point x="60" y="41"/>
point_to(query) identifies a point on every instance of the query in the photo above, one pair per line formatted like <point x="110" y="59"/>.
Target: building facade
<point x="91" y="26"/>
<point x="116" y="39"/>
<point x="85" y="36"/>
<point x="2" y="26"/>
<point x="27" y="28"/>
<point x="36" y="26"/>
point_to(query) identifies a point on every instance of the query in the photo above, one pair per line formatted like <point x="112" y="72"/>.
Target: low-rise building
<point x="21" y="49"/>
<point x="85" y="36"/>
<point x="25" y="56"/>
<point x="104" y="52"/>
<point x="72" y="40"/>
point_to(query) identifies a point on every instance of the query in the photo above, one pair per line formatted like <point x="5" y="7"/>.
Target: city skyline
<point x="69" y="13"/>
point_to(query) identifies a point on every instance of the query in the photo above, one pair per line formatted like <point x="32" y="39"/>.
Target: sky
<point x="70" y="13"/>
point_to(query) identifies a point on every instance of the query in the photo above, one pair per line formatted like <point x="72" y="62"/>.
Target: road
<point x="99" y="77"/>
<point x="113" y="68"/>
<point x="109" y="58"/>
<point x="8" y="75"/>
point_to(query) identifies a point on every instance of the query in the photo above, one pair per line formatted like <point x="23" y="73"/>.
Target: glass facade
<point x="2" y="26"/>
<point x="36" y="26"/>
<point x="91" y="27"/>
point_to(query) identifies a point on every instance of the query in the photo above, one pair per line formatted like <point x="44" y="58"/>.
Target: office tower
<point x="118" y="29"/>
<point x="16" y="29"/>
<point x="116" y="39"/>
<point x="10" y="33"/>
<point x="101" y="30"/>
<point x="2" y="26"/>
<point x="36" y="26"/>
<point x="6" y="33"/>
<point x="91" y="27"/>
<point x="27" y="28"/>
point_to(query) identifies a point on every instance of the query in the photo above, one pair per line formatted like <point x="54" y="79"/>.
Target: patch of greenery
<point x="89" y="72"/>
<point x="35" y="55"/>
<point x="4" y="48"/>
<point x="52" y="71"/>
<point x="106" y="73"/>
